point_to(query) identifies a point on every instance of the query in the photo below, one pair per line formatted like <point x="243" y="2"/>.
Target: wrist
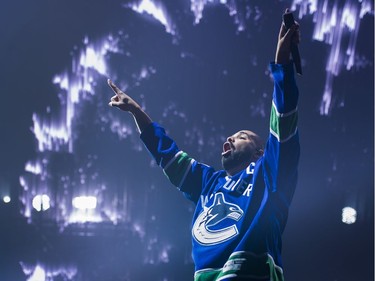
<point x="135" y="110"/>
<point x="282" y="58"/>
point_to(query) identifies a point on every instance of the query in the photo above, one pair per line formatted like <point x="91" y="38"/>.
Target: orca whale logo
<point x="206" y="229"/>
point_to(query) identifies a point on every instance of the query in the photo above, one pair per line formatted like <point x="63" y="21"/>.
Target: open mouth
<point x="227" y="149"/>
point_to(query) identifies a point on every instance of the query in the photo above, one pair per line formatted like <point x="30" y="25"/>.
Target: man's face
<point x="240" y="149"/>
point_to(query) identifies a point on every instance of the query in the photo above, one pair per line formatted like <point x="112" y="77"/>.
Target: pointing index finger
<point x="114" y="87"/>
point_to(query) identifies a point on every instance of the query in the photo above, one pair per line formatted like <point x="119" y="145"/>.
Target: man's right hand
<point x="286" y="37"/>
<point x="122" y="100"/>
<point x="126" y="103"/>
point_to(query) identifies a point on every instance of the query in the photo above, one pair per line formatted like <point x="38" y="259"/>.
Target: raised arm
<point x="182" y="171"/>
<point x="126" y="103"/>
<point x="281" y="154"/>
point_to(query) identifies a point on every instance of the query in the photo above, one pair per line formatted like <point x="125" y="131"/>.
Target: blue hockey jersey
<point x="239" y="220"/>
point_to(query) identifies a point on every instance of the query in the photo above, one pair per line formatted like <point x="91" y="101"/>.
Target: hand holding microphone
<point x="288" y="20"/>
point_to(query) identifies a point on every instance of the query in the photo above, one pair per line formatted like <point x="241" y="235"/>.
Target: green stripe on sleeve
<point x="283" y="126"/>
<point x="177" y="170"/>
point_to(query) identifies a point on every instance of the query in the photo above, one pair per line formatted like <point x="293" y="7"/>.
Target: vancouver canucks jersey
<point x="239" y="219"/>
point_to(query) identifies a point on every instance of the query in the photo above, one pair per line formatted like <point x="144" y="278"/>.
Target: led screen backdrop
<point x="81" y="198"/>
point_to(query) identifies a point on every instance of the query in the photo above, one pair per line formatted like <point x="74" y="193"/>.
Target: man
<point x="241" y="211"/>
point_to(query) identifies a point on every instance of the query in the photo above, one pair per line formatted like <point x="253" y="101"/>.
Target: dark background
<point x="203" y="83"/>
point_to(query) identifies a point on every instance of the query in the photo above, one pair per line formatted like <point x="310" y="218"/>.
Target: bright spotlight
<point x="84" y="202"/>
<point x="349" y="215"/>
<point x="6" y="199"/>
<point x="38" y="274"/>
<point x="41" y="202"/>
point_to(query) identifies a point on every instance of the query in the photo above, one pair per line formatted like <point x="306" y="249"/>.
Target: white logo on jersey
<point x="220" y="210"/>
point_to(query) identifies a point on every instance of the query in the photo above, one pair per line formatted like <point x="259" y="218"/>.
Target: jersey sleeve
<point x="282" y="150"/>
<point x="184" y="172"/>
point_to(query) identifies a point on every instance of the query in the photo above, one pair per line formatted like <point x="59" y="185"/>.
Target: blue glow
<point x="75" y="171"/>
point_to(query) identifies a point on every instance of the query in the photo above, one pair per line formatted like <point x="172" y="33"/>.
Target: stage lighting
<point x="6" y="199"/>
<point x="38" y="274"/>
<point x="349" y="215"/>
<point x="84" y="202"/>
<point x="41" y="202"/>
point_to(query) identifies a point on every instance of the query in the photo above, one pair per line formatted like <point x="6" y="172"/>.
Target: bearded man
<point x="241" y="211"/>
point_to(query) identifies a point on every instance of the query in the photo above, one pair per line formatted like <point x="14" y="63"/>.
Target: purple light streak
<point x="333" y="22"/>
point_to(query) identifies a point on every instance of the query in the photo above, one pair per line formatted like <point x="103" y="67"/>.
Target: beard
<point x="235" y="159"/>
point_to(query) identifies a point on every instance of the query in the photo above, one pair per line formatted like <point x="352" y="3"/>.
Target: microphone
<point x="288" y="20"/>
